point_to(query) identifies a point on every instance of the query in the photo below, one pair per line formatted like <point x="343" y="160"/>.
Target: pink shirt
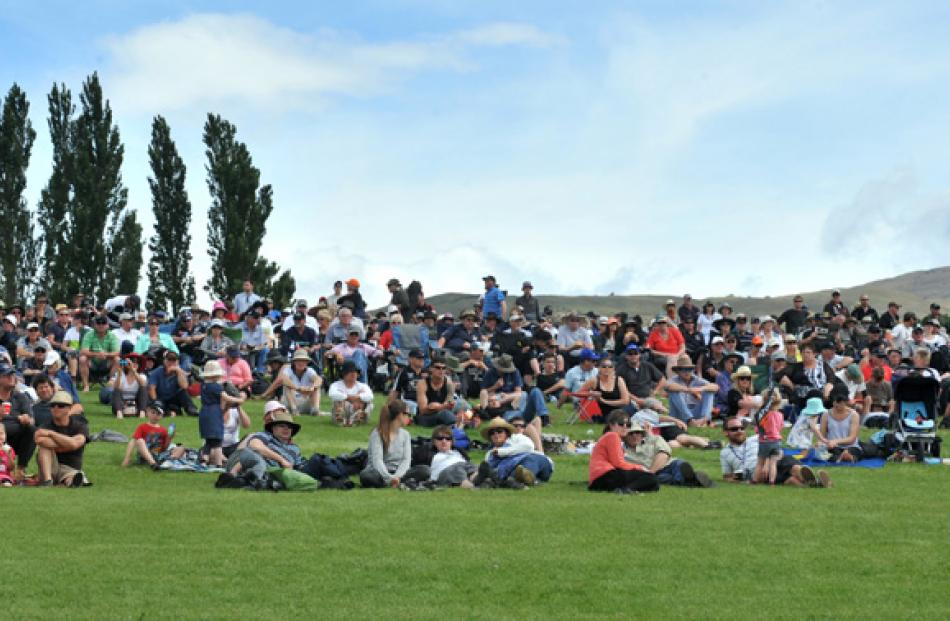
<point x="770" y="427"/>
<point x="238" y="373"/>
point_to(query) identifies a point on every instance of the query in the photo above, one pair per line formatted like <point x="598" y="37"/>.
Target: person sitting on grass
<point x="653" y="453"/>
<point x="272" y="448"/>
<point x="237" y="371"/>
<point x="803" y="433"/>
<point x="60" y="445"/>
<point x="503" y="393"/>
<point x="450" y="467"/>
<point x="408" y="379"/>
<point x="513" y="455"/>
<point x="738" y="460"/>
<point x="435" y="398"/>
<point x="169" y="384"/>
<point x="150" y="440"/>
<point x="389" y="462"/>
<point x="840" y="428"/>
<point x="129" y="389"/>
<point x="607" y="389"/>
<point x="352" y="399"/>
<point x="17" y="419"/>
<point x="301" y="385"/>
<point x="608" y="470"/>
<point x="691" y="397"/>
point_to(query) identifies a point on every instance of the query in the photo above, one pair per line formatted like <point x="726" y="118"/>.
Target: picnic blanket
<point x="188" y="463"/>
<point x="809" y="458"/>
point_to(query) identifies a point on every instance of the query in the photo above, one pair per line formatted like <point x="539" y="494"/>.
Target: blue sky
<point x="750" y="148"/>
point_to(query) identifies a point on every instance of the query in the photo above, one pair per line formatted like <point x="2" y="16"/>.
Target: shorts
<point x="784" y="469"/>
<point x="769" y="449"/>
<point x="63" y="474"/>
<point x="855" y="451"/>
<point x="213" y="443"/>
<point x="671" y="432"/>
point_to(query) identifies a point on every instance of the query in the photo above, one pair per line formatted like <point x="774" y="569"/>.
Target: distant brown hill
<point x="913" y="290"/>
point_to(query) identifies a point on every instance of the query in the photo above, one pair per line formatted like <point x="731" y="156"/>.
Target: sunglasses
<point x="606" y="366"/>
<point x="441" y="438"/>
<point x="731" y="429"/>
<point x="624" y="424"/>
<point x="744" y="379"/>
<point x="59" y="405"/>
<point x="518" y="425"/>
<point x="438" y="366"/>
<point x="494" y="431"/>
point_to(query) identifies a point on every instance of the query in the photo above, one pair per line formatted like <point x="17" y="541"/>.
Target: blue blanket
<point x="809" y="458"/>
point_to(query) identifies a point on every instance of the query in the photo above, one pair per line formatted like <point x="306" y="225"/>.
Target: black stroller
<point x="914" y="421"/>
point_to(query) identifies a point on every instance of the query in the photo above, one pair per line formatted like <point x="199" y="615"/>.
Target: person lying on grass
<point x="450" y="467"/>
<point x="608" y="470"/>
<point x="673" y="430"/>
<point x="274" y="447"/>
<point x="513" y="454"/>
<point x="150" y="440"/>
<point x="653" y="453"/>
<point x="738" y="461"/>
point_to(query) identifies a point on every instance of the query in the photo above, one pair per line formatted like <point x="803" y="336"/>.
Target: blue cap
<point x="6" y="369"/>
<point x="588" y="354"/>
<point x="631" y="347"/>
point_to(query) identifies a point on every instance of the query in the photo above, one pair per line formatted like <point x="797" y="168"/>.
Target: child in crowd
<point x="150" y="439"/>
<point x="215" y="403"/>
<point x="7" y="460"/>
<point x="768" y="423"/>
<point x="805" y="431"/>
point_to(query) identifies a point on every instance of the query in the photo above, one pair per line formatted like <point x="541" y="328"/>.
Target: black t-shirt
<point x="77" y="426"/>
<point x="639" y="381"/>
<point x="406" y="382"/>
<point x="859" y="313"/>
<point x="292" y="338"/>
<point x="42" y="414"/>
<point x="835" y="309"/>
<point x="793" y="320"/>
<point x="546" y="381"/>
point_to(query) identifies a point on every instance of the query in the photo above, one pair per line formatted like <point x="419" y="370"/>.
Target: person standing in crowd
<point x="494" y="300"/>
<point x="530" y="305"/>
<point x="353" y="300"/>
<point x="245" y="300"/>
<point x="793" y="319"/>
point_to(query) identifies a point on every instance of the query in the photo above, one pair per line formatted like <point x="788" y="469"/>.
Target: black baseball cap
<point x="416" y="353"/>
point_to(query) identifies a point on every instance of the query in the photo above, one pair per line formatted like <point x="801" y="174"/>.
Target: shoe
<point x="466" y="484"/>
<point x="487" y="484"/>
<point x="824" y="480"/>
<point x="689" y="474"/>
<point x="77" y="480"/>
<point x="808" y="477"/>
<point x="156" y="466"/>
<point x="46" y="483"/>
<point x="525" y="476"/>
<point x="713" y="444"/>
<point x="510" y="483"/>
<point x="224" y="480"/>
<point x="703" y="479"/>
<point x="484" y="473"/>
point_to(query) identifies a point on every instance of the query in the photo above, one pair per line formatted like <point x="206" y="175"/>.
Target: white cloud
<point x="208" y="58"/>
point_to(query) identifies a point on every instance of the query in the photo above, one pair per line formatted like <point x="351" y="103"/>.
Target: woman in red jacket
<point x="608" y="470"/>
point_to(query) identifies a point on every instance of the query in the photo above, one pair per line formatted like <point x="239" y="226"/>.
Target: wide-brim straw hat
<point x="497" y="423"/>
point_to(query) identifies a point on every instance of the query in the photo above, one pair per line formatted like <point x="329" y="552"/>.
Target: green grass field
<point x="147" y="545"/>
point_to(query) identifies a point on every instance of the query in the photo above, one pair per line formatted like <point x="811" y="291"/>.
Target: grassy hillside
<point x="914" y="290"/>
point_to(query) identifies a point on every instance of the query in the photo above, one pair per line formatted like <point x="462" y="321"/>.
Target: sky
<point x="718" y="148"/>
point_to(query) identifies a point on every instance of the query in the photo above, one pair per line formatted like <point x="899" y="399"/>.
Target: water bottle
<point x="171" y="431"/>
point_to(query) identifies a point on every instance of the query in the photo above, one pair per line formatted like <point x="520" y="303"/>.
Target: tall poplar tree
<point x="238" y="215"/>
<point x="54" y="207"/>
<point x="169" y="278"/>
<point x="17" y="248"/>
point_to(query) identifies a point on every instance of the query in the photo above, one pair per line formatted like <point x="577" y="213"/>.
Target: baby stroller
<point x="914" y="421"/>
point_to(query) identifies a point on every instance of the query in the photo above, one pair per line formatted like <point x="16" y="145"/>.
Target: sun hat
<point x="272" y="406"/>
<point x="497" y="423"/>
<point x="683" y="363"/>
<point x="853" y="372"/>
<point x="275" y="356"/>
<point x="504" y="363"/>
<point x="467" y="313"/>
<point x="219" y="305"/>
<point x="814" y="407"/>
<point x="635" y="427"/>
<point x="300" y="355"/>
<point x="61" y="397"/>
<point x="211" y="370"/>
<point x="735" y="356"/>
<point x="743" y="371"/>
<point x="283" y="417"/>
<point x="791" y="338"/>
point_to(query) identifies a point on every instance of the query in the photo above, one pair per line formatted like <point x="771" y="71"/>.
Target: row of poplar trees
<point x="82" y="237"/>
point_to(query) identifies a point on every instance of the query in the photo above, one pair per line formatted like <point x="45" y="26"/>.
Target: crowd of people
<point x="500" y="368"/>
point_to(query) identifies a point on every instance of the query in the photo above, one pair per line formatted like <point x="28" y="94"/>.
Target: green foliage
<point x="81" y="210"/>
<point x="237" y="217"/>
<point x="169" y="277"/>
<point x="55" y="200"/>
<point x="125" y="254"/>
<point x="17" y="248"/>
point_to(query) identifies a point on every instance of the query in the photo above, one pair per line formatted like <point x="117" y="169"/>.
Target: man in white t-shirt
<point x="572" y="338"/>
<point x="126" y="332"/>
